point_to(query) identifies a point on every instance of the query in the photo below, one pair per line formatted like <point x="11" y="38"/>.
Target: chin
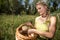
<point x="41" y="13"/>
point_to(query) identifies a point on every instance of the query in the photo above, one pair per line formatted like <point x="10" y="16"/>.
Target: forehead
<point x="39" y="6"/>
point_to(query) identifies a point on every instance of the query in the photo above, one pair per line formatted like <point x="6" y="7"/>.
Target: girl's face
<point x="41" y="9"/>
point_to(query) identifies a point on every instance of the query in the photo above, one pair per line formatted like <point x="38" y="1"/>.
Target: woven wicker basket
<point x="19" y="36"/>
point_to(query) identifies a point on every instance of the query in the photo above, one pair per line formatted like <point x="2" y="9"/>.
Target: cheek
<point x="43" y="10"/>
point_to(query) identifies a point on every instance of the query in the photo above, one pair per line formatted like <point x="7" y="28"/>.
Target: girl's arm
<point x="52" y="29"/>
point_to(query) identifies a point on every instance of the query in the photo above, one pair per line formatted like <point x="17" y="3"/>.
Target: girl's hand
<point x="31" y="35"/>
<point x="29" y="23"/>
<point x="31" y="31"/>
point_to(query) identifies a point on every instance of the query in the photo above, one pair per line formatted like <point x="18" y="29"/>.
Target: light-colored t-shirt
<point x="42" y="26"/>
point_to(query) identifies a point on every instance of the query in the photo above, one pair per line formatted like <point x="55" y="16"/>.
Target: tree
<point x="26" y="6"/>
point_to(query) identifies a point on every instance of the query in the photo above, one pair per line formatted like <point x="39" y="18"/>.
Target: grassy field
<point x="9" y="23"/>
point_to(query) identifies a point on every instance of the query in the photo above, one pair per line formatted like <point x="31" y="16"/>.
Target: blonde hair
<point x="43" y="4"/>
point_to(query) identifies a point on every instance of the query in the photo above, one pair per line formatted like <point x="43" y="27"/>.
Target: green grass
<point x="9" y="23"/>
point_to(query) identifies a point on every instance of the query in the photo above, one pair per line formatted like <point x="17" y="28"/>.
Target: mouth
<point x="41" y="13"/>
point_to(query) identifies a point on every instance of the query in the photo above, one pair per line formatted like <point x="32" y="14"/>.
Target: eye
<point x="39" y="8"/>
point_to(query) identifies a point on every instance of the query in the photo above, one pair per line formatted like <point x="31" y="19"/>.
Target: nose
<point x="38" y="10"/>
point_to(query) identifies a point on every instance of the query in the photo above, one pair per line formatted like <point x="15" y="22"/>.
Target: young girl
<point x="45" y="24"/>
